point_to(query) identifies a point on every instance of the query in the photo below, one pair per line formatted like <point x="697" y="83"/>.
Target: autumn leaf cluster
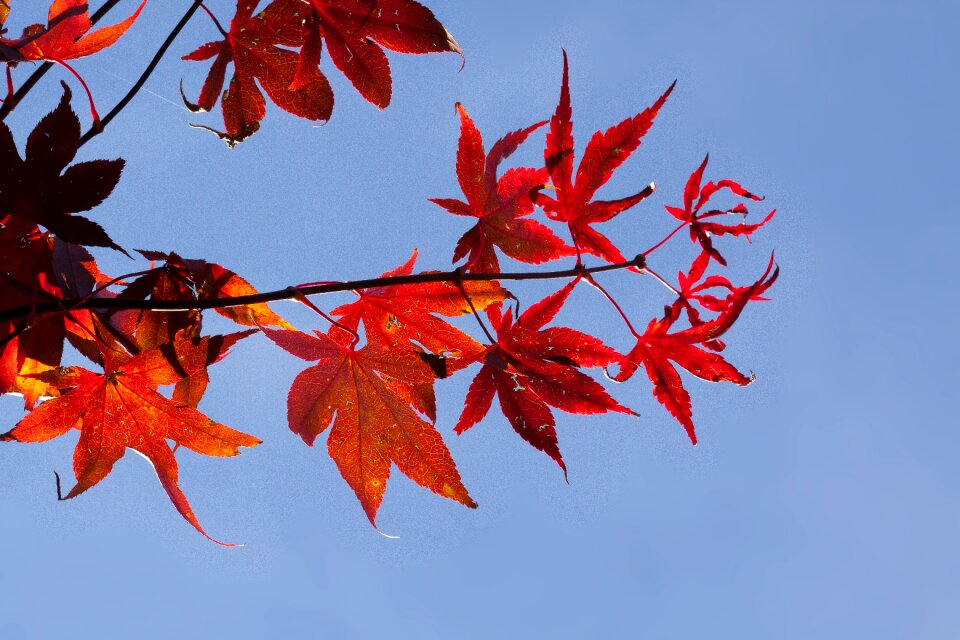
<point x="374" y="363"/>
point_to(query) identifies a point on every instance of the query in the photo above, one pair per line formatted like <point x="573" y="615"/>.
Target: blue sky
<point x="822" y="501"/>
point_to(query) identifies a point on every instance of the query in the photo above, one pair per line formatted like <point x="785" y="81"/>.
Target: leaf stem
<point x="214" y="18"/>
<point x="662" y="281"/>
<point x="665" y="240"/>
<point x="576" y="245"/>
<point x="596" y="285"/>
<point x="306" y="302"/>
<point x="466" y="296"/>
<point x="83" y="83"/>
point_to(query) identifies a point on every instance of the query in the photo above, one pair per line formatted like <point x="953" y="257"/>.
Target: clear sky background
<point x="822" y="502"/>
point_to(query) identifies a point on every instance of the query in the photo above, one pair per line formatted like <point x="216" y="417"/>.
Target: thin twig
<point x="158" y="56"/>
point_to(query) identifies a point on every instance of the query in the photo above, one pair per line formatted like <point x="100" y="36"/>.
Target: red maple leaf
<point x="696" y="196"/>
<point x="605" y="152"/>
<point x="501" y="206"/>
<point x="355" y="31"/>
<point x="398" y="315"/>
<point x="374" y="397"/>
<point x="257" y="47"/>
<point x="40" y="189"/>
<point x="705" y="291"/>
<point x="694" y="288"/>
<point x="531" y="368"/>
<point x="64" y="38"/>
<point x="656" y="348"/>
<point x="121" y="409"/>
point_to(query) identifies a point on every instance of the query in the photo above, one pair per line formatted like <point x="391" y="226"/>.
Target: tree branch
<point x="293" y="293"/>
<point x="157" y="57"/>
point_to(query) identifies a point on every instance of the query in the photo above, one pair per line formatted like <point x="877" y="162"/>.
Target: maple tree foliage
<point x="377" y="399"/>
<point x="605" y="152"/>
<point x="405" y="316"/>
<point x="259" y="46"/>
<point x="41" y="189"/>
<point x="121" y="409"/>
<point x="375" y="362"/>
<point x="696" y="195"/>
<point x="65" y="37"/>
<point x="529" y="368"/>
<point x="656" y="348"/>
<point x="500" y="205"/>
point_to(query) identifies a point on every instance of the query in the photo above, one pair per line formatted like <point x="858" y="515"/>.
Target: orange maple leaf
<point x="373" y="397"/>
<point x="121" y="409"/>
